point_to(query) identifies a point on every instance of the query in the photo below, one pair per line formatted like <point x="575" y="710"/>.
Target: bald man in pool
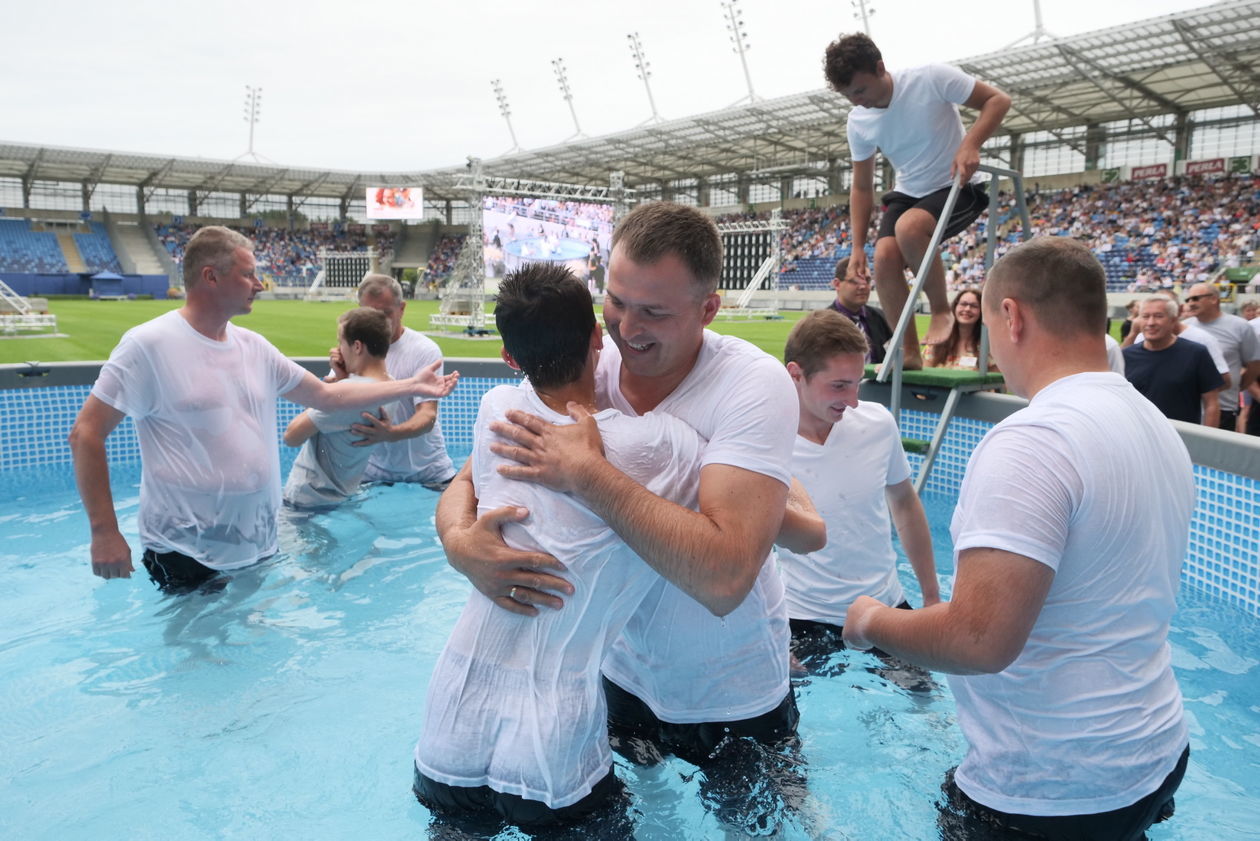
<point x="1066" y="573"/>
<point x="202" y="392"/>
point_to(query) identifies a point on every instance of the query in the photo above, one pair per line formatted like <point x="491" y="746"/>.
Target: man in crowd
<point x="852" y="293"/>
<point x="409" y="447"/>
<point x="1238" y="342"/>
<point x="1175" y="374"/>
<point x="705" y="662"/>
<point x="1056" y="634"/>
<point x="202" y="392"/>
<point x="911" y="116"/>
<point x="1190" y="332"/>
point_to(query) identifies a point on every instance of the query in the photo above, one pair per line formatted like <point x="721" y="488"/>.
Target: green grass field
<point x="297" y="328"/>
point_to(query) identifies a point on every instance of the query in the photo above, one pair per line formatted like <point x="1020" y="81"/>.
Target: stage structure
<point x="464" y="295"/>
<point x="17" y="314"/>
<point x="751" y="255"/>
<point x="339" y="279"/>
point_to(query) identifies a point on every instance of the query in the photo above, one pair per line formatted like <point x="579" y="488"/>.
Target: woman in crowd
<point x="961" y="349"/>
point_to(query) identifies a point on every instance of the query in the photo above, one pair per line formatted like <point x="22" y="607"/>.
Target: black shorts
<point x="973" y="200"/>
<point x="174" y="572"/>
<point x="481" y="810"/>
<point x="963" y="818"/>
<point x="811" y="639"/>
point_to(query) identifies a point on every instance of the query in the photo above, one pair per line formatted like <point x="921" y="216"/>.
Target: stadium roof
<point x="1174" y="64"/>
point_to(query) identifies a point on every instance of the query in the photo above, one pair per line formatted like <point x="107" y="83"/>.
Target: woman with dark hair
<point x="961" y="349"/>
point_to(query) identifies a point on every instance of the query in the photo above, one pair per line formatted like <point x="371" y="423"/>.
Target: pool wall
<point x="38" y="406"/>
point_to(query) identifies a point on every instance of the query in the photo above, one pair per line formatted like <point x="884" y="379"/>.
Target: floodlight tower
<point x="739" y="41"/>
<point x="865" y="11"/>
<point x="253" y="113"/>
<point x="1039" y="31"/>
<point x="501" y="98"/>
<point x="644" y="70"/>
<point x="562" y="77"/>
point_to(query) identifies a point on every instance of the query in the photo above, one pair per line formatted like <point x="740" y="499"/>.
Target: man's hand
<point x="966" y="162"/>
<point x="111" y="556"/>
<point x="427" y="382"/>
<point x="513" y="579"/>
<point x="857" y="266"/>
<point x="375" y="430"/>
<point x="557" y="457"/>
<point x="856" y="621"/>
<point x="338" y="366"/>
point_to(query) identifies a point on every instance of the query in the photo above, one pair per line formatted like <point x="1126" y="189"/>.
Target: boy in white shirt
<point x="332" y="460"/>
<point x="849" y="457"/>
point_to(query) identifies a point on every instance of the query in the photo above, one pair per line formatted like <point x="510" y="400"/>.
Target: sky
<point x="397" y="86"/>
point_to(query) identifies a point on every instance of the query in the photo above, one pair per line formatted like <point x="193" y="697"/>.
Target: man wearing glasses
<point x="1238" y="343"/>
<point x="852" y="294"/>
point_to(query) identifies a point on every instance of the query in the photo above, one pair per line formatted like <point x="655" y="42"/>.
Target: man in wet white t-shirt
<point x="202" y="393"/>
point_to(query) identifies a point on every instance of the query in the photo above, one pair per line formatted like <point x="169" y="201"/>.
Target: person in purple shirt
<point x="852" y="294"/>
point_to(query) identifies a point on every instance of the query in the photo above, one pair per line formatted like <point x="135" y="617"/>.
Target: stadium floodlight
<point x="739" y="42"/>
<point x="562" y="77"/>
<point x="865" y="11"/>
<point x="253" y="113"/>
<point x="643" y="68"/>
<point x="501" y="98"/>
<point x="1038" y="32"/>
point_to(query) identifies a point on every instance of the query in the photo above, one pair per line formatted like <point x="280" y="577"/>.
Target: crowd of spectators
<point x="289" y="258"/>
<point x="442" y="260"/>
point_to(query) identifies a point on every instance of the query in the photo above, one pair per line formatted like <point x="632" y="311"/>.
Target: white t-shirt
<point x="1194" y="333"/>
<point x="920" y="130"/>
<point x="328" y="467"/>
<point x="419" y="459"/>
<point x="515" y="703"/>
<point x="1089" y="717"/>
<point x="1239" y="344"/>
<point x="1115" y="355"/>
<point x="205" y="414"/>
<point x="686" y="664"/>
<point x="846" y="477"/>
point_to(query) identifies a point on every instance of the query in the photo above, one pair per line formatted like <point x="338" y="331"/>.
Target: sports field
<point x="297" y="328"/>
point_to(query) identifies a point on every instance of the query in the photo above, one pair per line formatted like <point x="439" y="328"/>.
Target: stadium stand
<point x="97" y="251"/>
<point x="25" y="250"/>
<point x="442" y="259"/>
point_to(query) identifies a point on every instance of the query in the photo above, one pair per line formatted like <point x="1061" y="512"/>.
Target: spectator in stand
<point x="961" y="348"/>
<point x="1238" y="341"/>
<point x="1175" y="374"/>
<point x="852" y="293"/>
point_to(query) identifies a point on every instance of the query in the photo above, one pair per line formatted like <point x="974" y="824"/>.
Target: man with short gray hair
<point x="409" y="437"/>
<point x="1238" y="342"/>
<point x="1175" y="374"/>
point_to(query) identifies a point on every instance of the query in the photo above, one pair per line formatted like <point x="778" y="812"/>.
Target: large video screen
<point x="528" y="230"/>
<point x="395" y="203"/>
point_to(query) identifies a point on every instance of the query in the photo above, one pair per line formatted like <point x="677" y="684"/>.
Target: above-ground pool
<point x="287" y="704"/>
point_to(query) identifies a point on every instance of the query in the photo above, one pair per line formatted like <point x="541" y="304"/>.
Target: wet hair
<point x="213" y="246"/>
<point x="1059" y="279"/>
<point x="375" y="285"/>
<point x="851" y="55"/>
<point x="545" y="317"/>
<point x="821" y="335"/>
<point x="364" y="324"/>
<point x="655" y="230"/>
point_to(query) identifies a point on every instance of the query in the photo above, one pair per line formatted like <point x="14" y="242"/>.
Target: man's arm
<point x="992" y="105"/>
<point x="713" y="555"/>
<point x="803" y="529"/>
<point x="1250" y="374"/>
<point x="981" y="630"/>
<point x="916" y="537"/>
<point x="300" y="430"/>
<point x="313" y="392"/>
<point x="111" y="556"/>
<point x="511" y="578"/>
<point x="378" y="430"/>
<point x="1211" y="408"/>
<point x="861" y="203"/>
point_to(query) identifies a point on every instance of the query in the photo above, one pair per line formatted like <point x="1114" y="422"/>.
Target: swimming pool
<point x="288" y="704"/>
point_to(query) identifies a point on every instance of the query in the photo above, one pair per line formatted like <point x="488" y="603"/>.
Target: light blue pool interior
<point x="287" y="704"/>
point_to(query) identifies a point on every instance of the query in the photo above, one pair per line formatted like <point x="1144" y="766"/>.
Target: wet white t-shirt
<point x="920" y="130"/>
<point x="1089" y="717"/>
<point x="205" y="414"/>
<point x="419" y="459"/>
<point x="515" y="702"/>
<point x="329" y="465"/>
<point x="686" y="664"/>
<point x="847" y="477"/>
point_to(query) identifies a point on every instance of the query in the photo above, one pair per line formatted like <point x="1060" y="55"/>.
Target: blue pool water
<point x="287" y="705"/>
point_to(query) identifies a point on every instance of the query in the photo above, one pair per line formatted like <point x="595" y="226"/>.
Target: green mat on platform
<point x="943" y="377"/>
